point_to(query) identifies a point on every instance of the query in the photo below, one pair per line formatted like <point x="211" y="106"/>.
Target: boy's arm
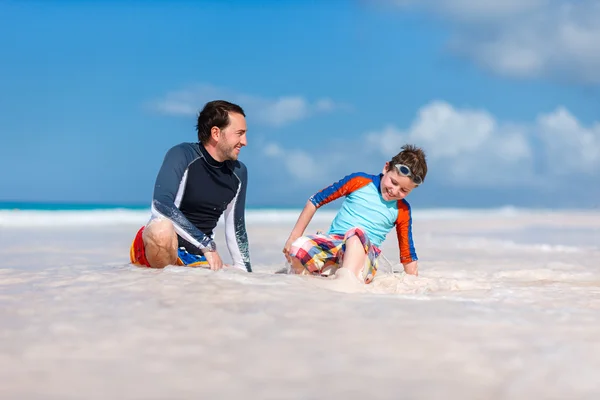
<point x="412" y="268"/>
<point x="303" y="220"/>
<point x="408" y="255"/>
<point x="343" y="187"/>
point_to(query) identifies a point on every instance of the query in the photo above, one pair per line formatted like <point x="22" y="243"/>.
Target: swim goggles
<point x="405" y="171"/>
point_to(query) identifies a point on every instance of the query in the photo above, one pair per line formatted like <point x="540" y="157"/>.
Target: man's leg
<point x="160" y="243"/>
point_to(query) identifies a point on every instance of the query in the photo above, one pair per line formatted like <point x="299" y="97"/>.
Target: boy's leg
<point x="160" y="243"/>
<point x="313" y="254"/>
<point x="354" y="256"/>
<point x="359" y="255"/>
<point x="297" y="267"/>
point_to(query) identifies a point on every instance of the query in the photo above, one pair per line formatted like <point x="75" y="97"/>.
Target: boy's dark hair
<point x="215" y="113"/>
<point x="413" y="157"/>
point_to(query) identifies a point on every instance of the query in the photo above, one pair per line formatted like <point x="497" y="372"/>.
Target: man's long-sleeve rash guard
<point x="193" y="190"/>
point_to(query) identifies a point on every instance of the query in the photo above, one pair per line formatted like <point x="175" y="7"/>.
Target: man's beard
<point x="228" y="152"/>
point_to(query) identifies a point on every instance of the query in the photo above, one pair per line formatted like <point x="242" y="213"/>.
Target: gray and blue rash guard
<point x="193" y="190"/>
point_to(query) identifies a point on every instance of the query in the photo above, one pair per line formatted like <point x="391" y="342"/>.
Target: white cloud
<point x="570" y="147"/>
<point x="465" y="147"/>
<point x="470" y="147"/>
<point x="273" y="150"/>
<point x="523" y="38"/>
<point x="474" y="10"/>
<point x="272" y="112"/>
<point x="299" y="164"/>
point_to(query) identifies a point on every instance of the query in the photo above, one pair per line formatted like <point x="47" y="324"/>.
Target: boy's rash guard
<point x="365" y="207"/>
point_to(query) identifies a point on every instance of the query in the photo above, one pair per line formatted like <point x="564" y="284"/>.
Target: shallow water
<point x="506" y="307"/>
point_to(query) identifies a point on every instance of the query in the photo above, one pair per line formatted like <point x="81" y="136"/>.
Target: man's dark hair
<point x="215" y="113"/>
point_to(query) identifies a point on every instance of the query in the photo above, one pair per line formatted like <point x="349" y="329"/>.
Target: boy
<point x="374" y="204"/>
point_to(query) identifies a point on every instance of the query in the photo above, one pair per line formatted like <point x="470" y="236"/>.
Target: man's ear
<point x="215" y="133"/>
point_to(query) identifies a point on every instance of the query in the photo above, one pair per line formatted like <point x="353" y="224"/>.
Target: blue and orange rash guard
<point x="193" y="190"/>
<point x="365" y="207"/>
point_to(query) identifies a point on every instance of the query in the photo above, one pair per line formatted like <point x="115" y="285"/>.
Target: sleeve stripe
<point x="230" y="232"/>
<point x="181" y="190"/>
<point x="180" y="231"/>
<point x="341" y="188"/>
<point x="404" y="232"/>
<point x="178" y="220"/>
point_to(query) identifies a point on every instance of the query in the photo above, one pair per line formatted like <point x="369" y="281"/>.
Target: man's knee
<point x="160" y="233"/>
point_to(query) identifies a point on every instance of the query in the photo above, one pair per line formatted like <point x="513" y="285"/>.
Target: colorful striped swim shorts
<point x="322" y="254"/>
<point x="137" y="254"/>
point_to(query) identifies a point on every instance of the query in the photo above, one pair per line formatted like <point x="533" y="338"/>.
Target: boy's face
<point x="395" y="186"/>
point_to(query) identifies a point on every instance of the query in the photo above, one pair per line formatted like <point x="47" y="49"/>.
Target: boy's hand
<point x="303" y="221"/>
<point x="412" y="268"/>
<point x="287" y="247"/>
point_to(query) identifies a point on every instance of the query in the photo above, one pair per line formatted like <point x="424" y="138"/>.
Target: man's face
<point x="395" y="186"/>
<point x="233" y="137"/>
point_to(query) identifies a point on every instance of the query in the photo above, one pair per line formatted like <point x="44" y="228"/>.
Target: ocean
<point x="506" y="306"/>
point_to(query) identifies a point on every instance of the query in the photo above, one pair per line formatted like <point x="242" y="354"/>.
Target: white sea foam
<point x="63" y="218"/>
<point x="506" y="306"/>
<point x="122" y="216"/>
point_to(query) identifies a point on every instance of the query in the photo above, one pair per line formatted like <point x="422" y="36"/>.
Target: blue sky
<point x="504" y="96"/>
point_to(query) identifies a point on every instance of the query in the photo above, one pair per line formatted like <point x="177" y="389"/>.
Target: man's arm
<point x="236" y="235"/>
<point x="408" y="255"/>
<point x="168" y="191"/>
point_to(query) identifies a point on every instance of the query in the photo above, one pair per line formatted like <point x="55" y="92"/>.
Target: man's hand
<point x="214" y="260"/>
<point x="412" y="268"/>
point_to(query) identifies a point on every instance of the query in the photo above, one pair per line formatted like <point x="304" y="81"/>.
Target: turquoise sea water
<point x="60" y="206"/>
<point x="35" y="206"/>
<point x="65" y="206"/>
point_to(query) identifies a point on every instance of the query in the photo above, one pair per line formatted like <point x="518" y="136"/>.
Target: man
<point x="196" y="184"/>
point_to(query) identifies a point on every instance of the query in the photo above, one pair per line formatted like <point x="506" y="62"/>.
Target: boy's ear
<point x="385" y="167"/>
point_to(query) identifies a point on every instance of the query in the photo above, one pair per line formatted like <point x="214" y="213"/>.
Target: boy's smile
<point x="395" y="186"/>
